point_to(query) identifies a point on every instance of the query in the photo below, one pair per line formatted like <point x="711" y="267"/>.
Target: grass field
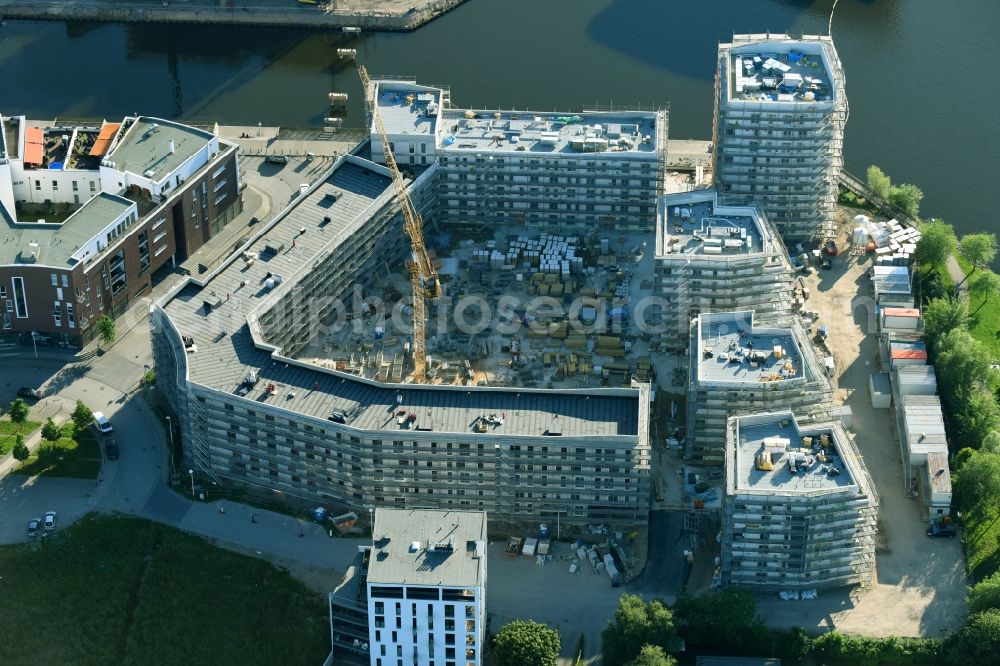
<point x="9" y="429"/>
<point x="985" y="312"/>
<point x="118" y="590"/>
<point x="75" y="454"/>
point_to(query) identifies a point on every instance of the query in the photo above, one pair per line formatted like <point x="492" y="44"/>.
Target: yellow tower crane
<point x="423" y="276"/>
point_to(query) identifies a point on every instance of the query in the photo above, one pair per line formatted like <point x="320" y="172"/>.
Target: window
<point x="158" y="223"/>
<point x="219" y="185"/>
<point x="55" y="280"/>
<point x="218" y="172"/>
<point x="219" y="198"/>
<point x="38" y="185"/>
<point x="20" y="298"/>
<point x="76" y="186"/>
<point x="55" y="185"/>
<point x="93" y="186"/>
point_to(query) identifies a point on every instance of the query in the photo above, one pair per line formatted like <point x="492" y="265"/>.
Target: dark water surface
<point x="921" y="74"/>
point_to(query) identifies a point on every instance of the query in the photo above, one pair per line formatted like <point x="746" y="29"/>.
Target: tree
<point x="82" y="416"/>
<point x="942" y="316"/>
<point x="46" y="453"/>
<point x="107" y="329"/>
<point x="20" y="451"/>
<point x="984" y="595"/>
<point x="977" y="642"/>
<point x="984" y="284"/>
<point x="637" y="623"/>
<point x="978" y="481"/>
<point x="961" y="362"/>
<point x="149" y="378"/>
<point x="526" y="643"/>
<point x="991" y="443"/>
<point x="50" y="431"/>
<point x="907" y="198"/>
<point x="978" y="249"/>
<point x="878" y="183"/>
<point x="725" y="621"/>
<point x="653" y="655"/>
<point x="961" y="458"/>
<point x="18" y="410"/>
<point x="975" y="418"/>
<point x="937" y="243"/>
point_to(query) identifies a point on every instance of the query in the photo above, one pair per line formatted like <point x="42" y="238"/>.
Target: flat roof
<point x="403" y="107"/>
<point x="763" y="70"/>
<point x="913" y="349"/>
<point x="880" y="383"/>
<point x="104" y="139"/>
<point x="923" y="424"/>
<point x="427" y="547"/>
<point x="938" y="472"/>
<point x="732" y="349"/>
<point x="58" y="242"/>
<point x="535" y="133"/>
<point x="694" y="224"/>
<point x="779" y="435"/>
<point x="146" y="146"/>
<point x="34" y="146"/>
<point x="223" y="361"/>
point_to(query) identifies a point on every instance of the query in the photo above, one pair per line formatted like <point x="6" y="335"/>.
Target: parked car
<point x="102" y="423"/>
<point x="944" y="530"/>
<point x="29" y="393"/>
<point x="276" y="159"/>
<point x="50" y="520"/>
<point x="111" y="449"/>
<point x="33" y="527"/>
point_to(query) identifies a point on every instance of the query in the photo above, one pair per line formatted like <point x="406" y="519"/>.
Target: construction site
<point x="524" y="310"/>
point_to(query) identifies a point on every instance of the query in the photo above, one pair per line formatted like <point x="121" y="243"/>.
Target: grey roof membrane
<point x="223" y="361"/>
<point x="399" y="560"/>
<point x="146" y="146"/>
<point x="58" y="242"/>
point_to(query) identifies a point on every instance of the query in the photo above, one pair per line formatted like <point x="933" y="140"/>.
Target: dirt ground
<point x="919" y="586"/>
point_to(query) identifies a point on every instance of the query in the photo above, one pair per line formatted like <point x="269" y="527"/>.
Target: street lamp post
<point x="191" y="472"/>
<point x="259" y="125"/>
<point x="34" y="342"/>
<point x="170" y="453"/>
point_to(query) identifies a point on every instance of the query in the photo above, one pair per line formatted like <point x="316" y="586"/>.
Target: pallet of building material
<point x="556" y="290"/>
<point x="607" y="340"/>
<point x="535" y="334"/>
<point x="558" y="330"/>
<point x="575" y="342"/>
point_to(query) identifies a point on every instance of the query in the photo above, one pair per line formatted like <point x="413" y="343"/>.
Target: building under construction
<point x="737" y="366"/>
<point x="254" y="416"/>
<point x="712" y="258"/>
<point x="778" y="129"/>
<point x="565" y="172"/>
<point x="800" y="508"/>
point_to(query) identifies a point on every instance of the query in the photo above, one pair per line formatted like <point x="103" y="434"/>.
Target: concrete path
<point x="957" y="276"/>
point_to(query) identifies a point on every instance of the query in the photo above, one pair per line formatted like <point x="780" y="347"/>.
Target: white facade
<point x="413" y="632"/>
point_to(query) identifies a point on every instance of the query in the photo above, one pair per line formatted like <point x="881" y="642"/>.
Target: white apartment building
<point x="738" y="366"/>
<point x="426" y="587"/>
<point x="712" y="258"/>
<point x="800" y="510"/>
<point x="778" y="129"/>
<point x="577" y="172"/>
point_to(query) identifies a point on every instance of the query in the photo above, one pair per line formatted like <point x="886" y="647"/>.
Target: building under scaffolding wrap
<point x="800" y="510"/>
<point x="778" y="129"/>
<point x="597" y="169"/>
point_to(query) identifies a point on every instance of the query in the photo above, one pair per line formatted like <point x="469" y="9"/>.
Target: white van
<point x="102" y="423"/>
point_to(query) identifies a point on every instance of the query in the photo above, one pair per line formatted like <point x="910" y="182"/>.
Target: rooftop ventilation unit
<point x="415" y="547"/>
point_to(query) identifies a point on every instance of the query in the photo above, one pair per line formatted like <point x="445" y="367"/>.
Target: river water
<point x="924" y="100"/>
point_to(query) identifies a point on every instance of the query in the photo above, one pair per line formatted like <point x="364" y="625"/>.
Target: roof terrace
<point x="693" y="224"/>
<point x="408" y="108"/>
<point x="629" y="132"/>
<point x="774" y="455"/>
<point x="732" y="349"/>
<point x="781" y="70"/>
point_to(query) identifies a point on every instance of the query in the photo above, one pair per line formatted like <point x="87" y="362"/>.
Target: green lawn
<point x="985" y="311"/>
<point x="8" y="430"/>
<point x="76" y="455"/>
<point x="982" y="537"/>
<point x="119" y="590"/>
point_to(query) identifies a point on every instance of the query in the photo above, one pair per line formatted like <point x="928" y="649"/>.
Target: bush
<point x="874" y="651"/>
<point x="977" y="642"/>
<point x="985" y="595"/>
<point x="20" y="451"/>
